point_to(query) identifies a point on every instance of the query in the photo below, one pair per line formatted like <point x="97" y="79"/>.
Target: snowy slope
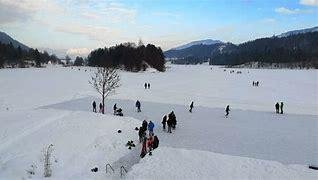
<point x="81" y="142"/>
<point x="301" y="31"/>
<point x="172" y="163"/>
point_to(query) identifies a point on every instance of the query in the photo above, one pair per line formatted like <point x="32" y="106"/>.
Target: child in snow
<point x="164" y="121"/>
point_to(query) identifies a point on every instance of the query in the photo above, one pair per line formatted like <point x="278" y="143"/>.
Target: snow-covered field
<point x="52" y="105"/>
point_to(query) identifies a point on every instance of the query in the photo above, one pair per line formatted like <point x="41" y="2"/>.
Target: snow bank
<point x="173" y="163"/>
<point x="81" y="141"/>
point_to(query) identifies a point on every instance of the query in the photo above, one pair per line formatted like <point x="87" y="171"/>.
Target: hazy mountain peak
<point x="204" y="42"/>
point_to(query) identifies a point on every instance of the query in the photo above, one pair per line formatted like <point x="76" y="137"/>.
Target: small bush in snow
<point x="47" y="161"/>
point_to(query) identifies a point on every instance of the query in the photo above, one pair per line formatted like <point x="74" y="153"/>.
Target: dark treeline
<point x="18" y="57"/>
<point x="128" y="56"/>
<point x="300" y="48"/>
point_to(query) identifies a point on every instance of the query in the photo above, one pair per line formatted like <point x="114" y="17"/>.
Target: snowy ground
<point x="53" y="105"/>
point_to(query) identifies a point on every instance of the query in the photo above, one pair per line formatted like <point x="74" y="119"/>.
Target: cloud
<point x="109" y="12"/>
<point x="283" y="10"/>
<point x="116" y="12"/>
<point x="15" y="11"/>
<point x="309" y="2"/>
<point x="78" y="51"/>
<point x="90" y="15"/>
<point x="98" y="33"/>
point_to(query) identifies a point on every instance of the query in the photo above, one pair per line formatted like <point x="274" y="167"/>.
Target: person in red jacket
<point x="150" y="143"/>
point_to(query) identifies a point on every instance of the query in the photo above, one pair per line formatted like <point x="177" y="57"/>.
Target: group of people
<point x="147" y="85"/>
<point x="101" y="107"/>
<point x="279" y="107"/>
<point x="150" y="141"/>
<point x="255" y="83"/>
<point x="169" y="120"/>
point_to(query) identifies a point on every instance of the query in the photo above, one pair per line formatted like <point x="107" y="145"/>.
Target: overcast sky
<point x="82" y="25"/>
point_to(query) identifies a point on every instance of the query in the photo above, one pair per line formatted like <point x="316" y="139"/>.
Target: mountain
<point x="301" y="31"/>
<point x="298" y="50"/>
<point x="6" y="39"/>
<point x="200" y="42"/>
<point x="197" y="51"/>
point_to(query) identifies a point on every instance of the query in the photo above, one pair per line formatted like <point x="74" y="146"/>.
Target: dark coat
<point x="155" y="142"/>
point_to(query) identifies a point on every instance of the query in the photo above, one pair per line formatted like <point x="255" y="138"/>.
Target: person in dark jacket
<point x="115" y="108"/>
<point x="277" y="107"/>
<point x="144" y="125"/>
<point x="145" y="85"/>
<point x="155" y="142"/>
<point x="138" y="105"/>
<point x="191" y="107"/>
<point x="151" y="125"/>
<point x="94" y="106"/>
<point x="173" y="119"/>
<point x="148" y="85"/>
<point x="101" y="109"/>
<point x="169" y="123"/>
<point x="281" y="107"/>
<point x="164" y="122"/>
<point x="227" y="110"/>
<point x="141" y="134"/>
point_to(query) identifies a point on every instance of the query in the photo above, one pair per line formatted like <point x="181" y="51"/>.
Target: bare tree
<point x="105" y="80"/>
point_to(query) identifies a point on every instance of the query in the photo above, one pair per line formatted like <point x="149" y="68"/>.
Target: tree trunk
<point x="103" y="110"/>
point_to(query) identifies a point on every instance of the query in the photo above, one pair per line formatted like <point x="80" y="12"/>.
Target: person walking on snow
<point x="173" y="119"/>
<point x="191" y="107"/>
<point x="148" y="85"/>
<point x="101" y="109"/>
<point x="144" y="125"/>
<point x="227" y="110"/>
<point x="281" y="107"/>
<point x="277" y="107"/>
<point x="94" y="106"/>
<point x="155" y="142"/>
<point x="138" y="106"/>
<point x="151" y="125"/>
<point x="169" y="123"/>
<point x="164" y="121"/>
<point x="115" y="108"/>
<point x="145" y="85"/>
<point x="141" y="134"/>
